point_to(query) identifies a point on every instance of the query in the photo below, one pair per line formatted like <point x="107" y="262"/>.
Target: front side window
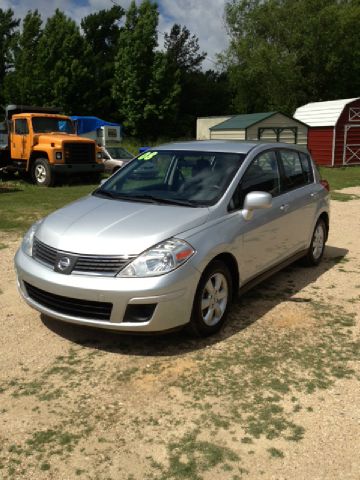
<point x="293" y="174"/>
<point x="52" y="124"/>
<point x="188" y="178"/>
<point x="21" y="126"/>
<point x="262" y="175"/>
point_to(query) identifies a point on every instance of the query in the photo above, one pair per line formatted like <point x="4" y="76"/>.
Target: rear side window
<point x="307" y="167"/>
<point x="21" y="127"/>
<point x="294" y="175"/>
<point x="262" y="175"/>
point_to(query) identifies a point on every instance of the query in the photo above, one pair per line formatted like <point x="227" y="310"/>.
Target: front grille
<point x="70" y="306"/>
<point x="44" y="253"/>
<point x="105" y="265"/>
<point x="101" y="265"/>
<point x="79" y="152"/>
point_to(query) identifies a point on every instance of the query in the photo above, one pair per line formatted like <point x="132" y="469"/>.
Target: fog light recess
<point x="139" y="313"/>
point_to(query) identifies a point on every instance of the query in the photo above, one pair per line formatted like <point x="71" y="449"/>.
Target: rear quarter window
<point x="307" y="167"/>
<point x="293" y="174"/>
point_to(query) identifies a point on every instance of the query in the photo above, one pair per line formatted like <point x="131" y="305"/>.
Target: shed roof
<point x="322" y="114"/>
<point x="242" y="121"/>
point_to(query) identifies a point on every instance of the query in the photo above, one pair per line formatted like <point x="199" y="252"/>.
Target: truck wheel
<point x="41" y="173"/>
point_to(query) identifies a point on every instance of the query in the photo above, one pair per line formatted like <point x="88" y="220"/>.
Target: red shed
<point x="334" y="131"/>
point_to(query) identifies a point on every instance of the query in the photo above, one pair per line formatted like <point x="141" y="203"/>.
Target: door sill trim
<point x="268" y="273"/>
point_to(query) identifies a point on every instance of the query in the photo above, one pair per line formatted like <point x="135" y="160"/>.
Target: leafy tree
<point x="65" y="80"/>
<point x="284" y="53"/>
<point x="182" y="51"/>
<point x="144" y="89"/>
<point x="101" y="34"/>
<point x="164" y="91"/>
<point x="22" y="84"/>
<point x="183" y="48"/>
<point x="7" y="31"/>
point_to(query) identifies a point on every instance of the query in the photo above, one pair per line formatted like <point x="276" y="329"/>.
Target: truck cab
<point x="44" y="144"/>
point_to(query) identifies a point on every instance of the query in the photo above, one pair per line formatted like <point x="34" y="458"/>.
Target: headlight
<point x="58" y="155"/>
<point x="162" y="258"/>
<point x="28" y="239"/>
<point x="99" y="155"/>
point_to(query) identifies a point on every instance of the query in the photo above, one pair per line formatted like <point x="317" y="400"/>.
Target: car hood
<point x="98" y="226"/>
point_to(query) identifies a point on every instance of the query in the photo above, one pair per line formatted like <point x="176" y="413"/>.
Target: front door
<point x="20" y="141"/>
<point x="262" y="240"/>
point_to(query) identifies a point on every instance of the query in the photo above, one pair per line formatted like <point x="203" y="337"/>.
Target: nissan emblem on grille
<point x="64" y="263"/>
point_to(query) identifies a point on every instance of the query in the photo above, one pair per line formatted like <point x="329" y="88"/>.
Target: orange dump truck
<point x="41" y="143"/>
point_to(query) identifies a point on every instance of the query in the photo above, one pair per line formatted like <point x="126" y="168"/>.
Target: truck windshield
<point x="52" y="124"/>
<point x="188" y="178"/>
<point x="119" y="152"/>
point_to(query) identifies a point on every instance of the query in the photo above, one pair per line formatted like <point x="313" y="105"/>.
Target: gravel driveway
<point x="274" y="396"/>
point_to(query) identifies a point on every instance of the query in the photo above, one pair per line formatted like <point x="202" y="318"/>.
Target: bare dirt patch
<point x="274" y="396"/>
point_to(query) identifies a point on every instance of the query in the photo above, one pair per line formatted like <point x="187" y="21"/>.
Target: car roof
<point x="232" y="146"/>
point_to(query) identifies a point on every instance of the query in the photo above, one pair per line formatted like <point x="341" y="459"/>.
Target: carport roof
<point x="242" y="121"/>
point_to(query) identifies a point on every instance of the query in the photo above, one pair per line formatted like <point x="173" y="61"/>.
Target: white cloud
<point x="204" y="18"/>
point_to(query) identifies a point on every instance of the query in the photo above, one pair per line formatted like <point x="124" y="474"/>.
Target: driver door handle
<point x="284" y="207"/>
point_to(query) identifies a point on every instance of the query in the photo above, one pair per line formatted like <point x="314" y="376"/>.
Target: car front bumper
<point x="172" y="294"/>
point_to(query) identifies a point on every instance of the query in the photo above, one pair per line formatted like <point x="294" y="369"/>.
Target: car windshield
<point x="187" y="178"/>
<point x="52" y="124"/>
<point x="119" y="152"/>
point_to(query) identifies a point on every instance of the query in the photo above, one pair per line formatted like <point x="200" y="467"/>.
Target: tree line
<point x="281" y="54"/>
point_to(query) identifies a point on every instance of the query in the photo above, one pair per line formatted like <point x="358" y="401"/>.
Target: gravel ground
<point x="76" y="403"/>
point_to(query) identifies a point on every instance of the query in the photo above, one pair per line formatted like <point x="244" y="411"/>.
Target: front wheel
<point x="317" y="245"/>
<point x="212" y="300"/>
<point x="41" y="173"/>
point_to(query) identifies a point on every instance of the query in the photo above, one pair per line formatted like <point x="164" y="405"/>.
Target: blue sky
<point x="204" y="18"/>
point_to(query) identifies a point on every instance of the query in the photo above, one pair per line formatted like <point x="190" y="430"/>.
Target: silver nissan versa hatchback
<point x="149" y="253"/>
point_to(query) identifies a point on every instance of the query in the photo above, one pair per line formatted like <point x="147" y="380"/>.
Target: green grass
<point x="343" y="197"/>
<point x="341" y="177"/>
<point x="22" y="204"/>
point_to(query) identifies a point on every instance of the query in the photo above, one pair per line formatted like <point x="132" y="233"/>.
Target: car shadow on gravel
<point x="245" y="310"/>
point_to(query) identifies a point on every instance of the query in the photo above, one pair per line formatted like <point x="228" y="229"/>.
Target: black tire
<point x="317" y="245"/>
<point x="41" y="173"/>
<point x="218" y="308"/>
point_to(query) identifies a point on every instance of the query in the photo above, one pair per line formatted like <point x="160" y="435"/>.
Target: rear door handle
<point x="313" y="194"/>
<point x="284" y="207"/>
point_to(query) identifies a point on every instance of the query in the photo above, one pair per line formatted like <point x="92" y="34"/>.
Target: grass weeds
<point x="343" y="177"/>
<point x="23" y="203"/>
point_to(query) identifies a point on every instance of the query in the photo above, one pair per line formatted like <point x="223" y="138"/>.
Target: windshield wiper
<point x="147" y="199"/>
<point x="129" y="198"/>
<point x="105" y="193"/>
<point x="168" y="201"/>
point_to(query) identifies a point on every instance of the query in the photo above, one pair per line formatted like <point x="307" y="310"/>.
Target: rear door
<point x="299" y="197"/>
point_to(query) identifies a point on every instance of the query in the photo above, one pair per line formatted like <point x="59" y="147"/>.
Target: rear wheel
<point x="317" y="245"/>
<point x="41" y="173"/>
<point x="212" y="300"/>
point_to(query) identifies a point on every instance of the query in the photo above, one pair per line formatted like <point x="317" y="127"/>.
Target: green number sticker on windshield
<point x="147" y="155"/>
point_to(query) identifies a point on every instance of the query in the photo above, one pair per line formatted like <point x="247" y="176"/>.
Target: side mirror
<point x="255" y="201"/>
